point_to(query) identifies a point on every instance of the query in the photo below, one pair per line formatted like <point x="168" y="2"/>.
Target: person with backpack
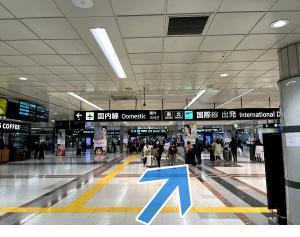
<point x="173" y="152"/>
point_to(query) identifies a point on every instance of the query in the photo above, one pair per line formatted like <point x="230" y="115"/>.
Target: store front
<point x="14" y="141"/>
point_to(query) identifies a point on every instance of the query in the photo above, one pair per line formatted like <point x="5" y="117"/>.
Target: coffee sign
<point x="8" y="126"/>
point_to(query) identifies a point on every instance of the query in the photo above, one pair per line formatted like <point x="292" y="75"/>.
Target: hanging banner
<point x="188" y="135"/>
<point x="61" y="140"/>
<point x="100" y="143"/>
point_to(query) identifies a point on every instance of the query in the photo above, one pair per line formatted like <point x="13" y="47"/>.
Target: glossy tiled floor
<point x="57" y="182"/>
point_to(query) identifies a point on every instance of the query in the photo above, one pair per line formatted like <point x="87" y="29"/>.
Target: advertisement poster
<point x="188" y="136"/>
<point x="100" y="143"/>
<point x="61" y="140"/>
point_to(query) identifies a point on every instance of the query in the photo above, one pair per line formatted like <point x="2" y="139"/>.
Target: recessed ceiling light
<point x="23" y="78"/>
<point x="290" y="83"/>
<point x="83" y="3"/>
<point x="52" y="121"/>
<point x="55" y="113"/>
<point x="279" y="23"/>
<point x="224" y="75"/>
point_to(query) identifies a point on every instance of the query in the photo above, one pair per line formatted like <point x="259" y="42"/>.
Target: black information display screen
<point x="27" y="111"/>
<point x="222" y="114"/>
<point x="42" y="114"/>
<point x="118" y="115"/>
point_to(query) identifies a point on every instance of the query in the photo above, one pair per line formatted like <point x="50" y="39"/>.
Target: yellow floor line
<point x="88" y="194"/>
<point x="132" y="209"/>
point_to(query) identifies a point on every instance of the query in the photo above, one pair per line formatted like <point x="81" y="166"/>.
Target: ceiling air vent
<point x="188" y="25"/>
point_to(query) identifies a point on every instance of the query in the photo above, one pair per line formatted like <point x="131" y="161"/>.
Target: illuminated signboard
<point x="118" y="115"/>
<point x="42" y="114"/>
<point x="27" y="111"/>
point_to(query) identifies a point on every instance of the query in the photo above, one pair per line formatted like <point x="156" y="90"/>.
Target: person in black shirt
<point x="198" y="150"/>
<point x="233" y="146"/>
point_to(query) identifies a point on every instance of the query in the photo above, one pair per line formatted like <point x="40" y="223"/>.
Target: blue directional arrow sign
<point x="176" y="178"/>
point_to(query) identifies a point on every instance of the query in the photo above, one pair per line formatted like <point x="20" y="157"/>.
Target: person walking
<point x="173" y="152"/>
<point x="218" y="150"/>
<point x="198" y="150"/>
<point x="233" y="147"/>
<point x="189" y="154"/>
<point x="160" y="149"/>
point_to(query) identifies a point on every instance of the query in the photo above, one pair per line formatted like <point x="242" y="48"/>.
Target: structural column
<point x="289" y="84"/>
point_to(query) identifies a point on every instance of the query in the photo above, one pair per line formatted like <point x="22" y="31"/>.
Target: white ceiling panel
<point x="62" y="69"/>
<point x="17" y="60"/>
<point x="197" y="75"/>
<point x="9" y="70"/>
<point x="31" y="47"/>
<point x="97" y="77"/>
<point x="7" y="50"/>
<point x="246" y="5"/>
<point x="100" y="8"/>
<point x="73" y="77"/>
<point x="146" y="68"/>
<point x="270" y="55"/>
<point x="35" y="70"/>
<point x="81" y="60"/>
<point x="145" y="58"/>
<point x="47" y="78"/>
<point x="250" y="73"/>
<point x="141" y="26"/>
<point x="49" y="60"/>
<point x="174" y="67"/>
<point x="286" y="5"/>
<point x="68" y="46"/>
<point x="141" y="45"/>
<point x="176" y="44"/>
<point x="89" y="69"/>
<point x="172" y="76"/>
<point x="2" y="64"/>
<point x="260" y="41"/>
<point x="233" y="66"/>
<point x="225" y="42"/>
<point x="289" y="39"/>
<point x="264" y="25"/>
<point x="179" y="57"/>
<point x="4" y="14"/>
<point x="262" y="65"/>
<point x="14" y="30"/>
<point x="244" y="55"/>
<point x="271" y="73"/>
<point x="204" y="67"/>
<point x="242" y="80"/>
<point x="32" y="8"/>
<point x="233" y="23"/>
<point x="144" y="76"/>
<point x="51" y="28"/>
<point x="192" y="6"/>
<point x="218" y="56"/>
<point x="138" y="7"/>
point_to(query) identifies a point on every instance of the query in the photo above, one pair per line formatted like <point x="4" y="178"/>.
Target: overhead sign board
<point x="222" y="114"/>
<point x="118" y="115"/>
<point x="8" y="126"/>
<point x="173" y="115"/>
<point x="3" y="106"/>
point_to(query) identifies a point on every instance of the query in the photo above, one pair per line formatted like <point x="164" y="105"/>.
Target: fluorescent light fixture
<point x="171" y="122"/>
<point x="200" y="93"/>
<point x="104" y="43"/>
<point x="84" y="100"/>
<point x="224" y="75"/>
<point x="279" y="23"/>
<point x="23" y="78"/>
<point x="235" y="98"/>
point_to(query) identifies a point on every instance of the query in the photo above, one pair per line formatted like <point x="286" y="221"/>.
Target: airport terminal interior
<point x="149" y="112"/>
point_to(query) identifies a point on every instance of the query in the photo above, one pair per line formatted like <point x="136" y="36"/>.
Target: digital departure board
<point x="27" y="111"/>
<point x="42" y="114"/>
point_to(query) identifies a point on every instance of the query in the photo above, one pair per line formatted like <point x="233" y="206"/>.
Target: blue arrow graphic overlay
<point x="175" y="178"/>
